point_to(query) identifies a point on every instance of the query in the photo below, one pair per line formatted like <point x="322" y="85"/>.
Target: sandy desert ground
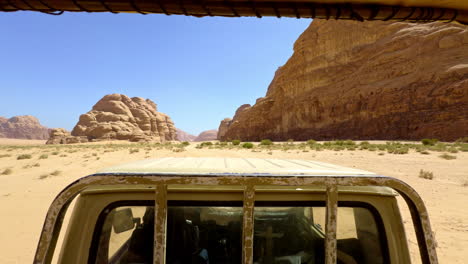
<point x="29" y="185"/>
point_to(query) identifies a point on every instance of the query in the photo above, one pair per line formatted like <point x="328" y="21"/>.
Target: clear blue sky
<point x="198" y="70"/>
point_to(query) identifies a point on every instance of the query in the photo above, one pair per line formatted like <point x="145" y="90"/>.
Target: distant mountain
<point x="207" y="135"/>
<point x="23" y="127"/>
<point x="184" y="136"/>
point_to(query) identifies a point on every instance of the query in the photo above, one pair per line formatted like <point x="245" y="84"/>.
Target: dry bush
<point x="5" y="155"/>
<point x="447" y="156"/>
<point x="7" y="171"/>
<point x="24" y="156"/>
<point x="426" y="174"/>
<point x="44" y="156"/>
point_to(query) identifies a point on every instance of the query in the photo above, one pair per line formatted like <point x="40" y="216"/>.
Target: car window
<point x="126" y="235"/>
<point x="211" y="232"/>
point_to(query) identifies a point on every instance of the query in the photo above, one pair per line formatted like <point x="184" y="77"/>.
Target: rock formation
<point x="118" y="117"/>
<point x="207" y="135"/>
<point x="364" y="80"/>
<point x="24" y="127"/>
<point x="62" y="136"/>
<point x="184" y="136"/>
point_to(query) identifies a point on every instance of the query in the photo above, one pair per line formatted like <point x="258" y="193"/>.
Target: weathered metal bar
<point x="248" y="224"/>
<point x="58" y="207"/>
<point x="160" y="217"/>
<point x="330" y="224"/>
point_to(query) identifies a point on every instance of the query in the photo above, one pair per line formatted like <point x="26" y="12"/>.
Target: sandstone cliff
<point x="118" y="117"/>
<point x="207" y="135"/>
<point x="184" y="136"/>
<point x="364" y="80"/>
<point x="24" y="127"/>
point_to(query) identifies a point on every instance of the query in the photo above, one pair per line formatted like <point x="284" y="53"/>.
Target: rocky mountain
<point x="364" y="80"/>
<point x="184" y="136"/>
<point x="207" y="135"/>
<point x="118" y="117"/>
<point x="24" y="127"/>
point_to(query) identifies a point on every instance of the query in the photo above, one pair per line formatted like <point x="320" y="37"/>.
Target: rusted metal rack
<point x="249" y="182"/>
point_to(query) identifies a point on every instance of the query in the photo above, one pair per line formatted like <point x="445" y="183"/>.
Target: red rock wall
<point x="364" y="80"/>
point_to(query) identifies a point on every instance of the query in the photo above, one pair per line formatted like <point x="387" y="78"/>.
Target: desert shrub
<point x="236" y="142"/>
<point x="364" y="143"/>
<point x="462" y="140"/>
<point x="185" y="143"/>
<point x="463" y="147"/>
<point x="178" y="149"/>
<point x="55" y="153"/>
<point x="424" y="152"/>
<point x="5" y="155"/>
<point x="223" y="143"/>
<point x="398" y="150"/>
<point x="447" y="156"/>
<point x="266" y="142"/>
<point x="290" y="141"/>
<point x="133" y="151"/>
<point x="247" y="145"/>
<point x="7" y="171"/>
<point x="44" y="156"/>
<point x="311" y="142"/>
<point x="56" y="173"/>
<point x="426" y="174"/>
<point x="207" y="144"/>
<point x="381" y="153"/>
<point x="94" y="154"/>
<point x="429" y="141"/>
<point x="270" y="153"/>
<point x="24" y="156"/>
<point x="453" y="150"/>
<point x="43" y="176"/>
<point x="64" y="155"/>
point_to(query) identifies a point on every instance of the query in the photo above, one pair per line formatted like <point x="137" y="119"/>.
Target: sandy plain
<point x="30" y="185"/>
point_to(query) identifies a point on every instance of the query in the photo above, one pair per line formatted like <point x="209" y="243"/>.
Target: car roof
<point x="235" y="166"/>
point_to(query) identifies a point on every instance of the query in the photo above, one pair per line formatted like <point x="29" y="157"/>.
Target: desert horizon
<point x="31" y="175"/>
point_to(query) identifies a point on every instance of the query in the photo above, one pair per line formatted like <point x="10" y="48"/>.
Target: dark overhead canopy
<point x="409" y="10"/>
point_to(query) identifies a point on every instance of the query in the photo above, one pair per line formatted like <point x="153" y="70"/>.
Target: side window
<point x="126" y="235"/>
<point x="358" y="236"/>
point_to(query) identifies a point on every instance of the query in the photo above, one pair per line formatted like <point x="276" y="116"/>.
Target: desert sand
<point x="30" y="185"/>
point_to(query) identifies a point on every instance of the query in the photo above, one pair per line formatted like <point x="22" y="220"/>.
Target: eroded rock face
<point x="23" y="127"/>
<point x="184" y="136"/>
<point x="207" y="135"/>
<point x="223" y="127"/>
<point x="364" y="80"/>
<point x="118" y="117"/>
<point x="63" y="136"/>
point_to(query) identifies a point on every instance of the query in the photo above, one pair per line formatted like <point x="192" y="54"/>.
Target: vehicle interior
<point x="210" y="232"/>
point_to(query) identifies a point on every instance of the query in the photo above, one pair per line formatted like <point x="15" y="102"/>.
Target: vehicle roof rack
<point x="402" y="10"/>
